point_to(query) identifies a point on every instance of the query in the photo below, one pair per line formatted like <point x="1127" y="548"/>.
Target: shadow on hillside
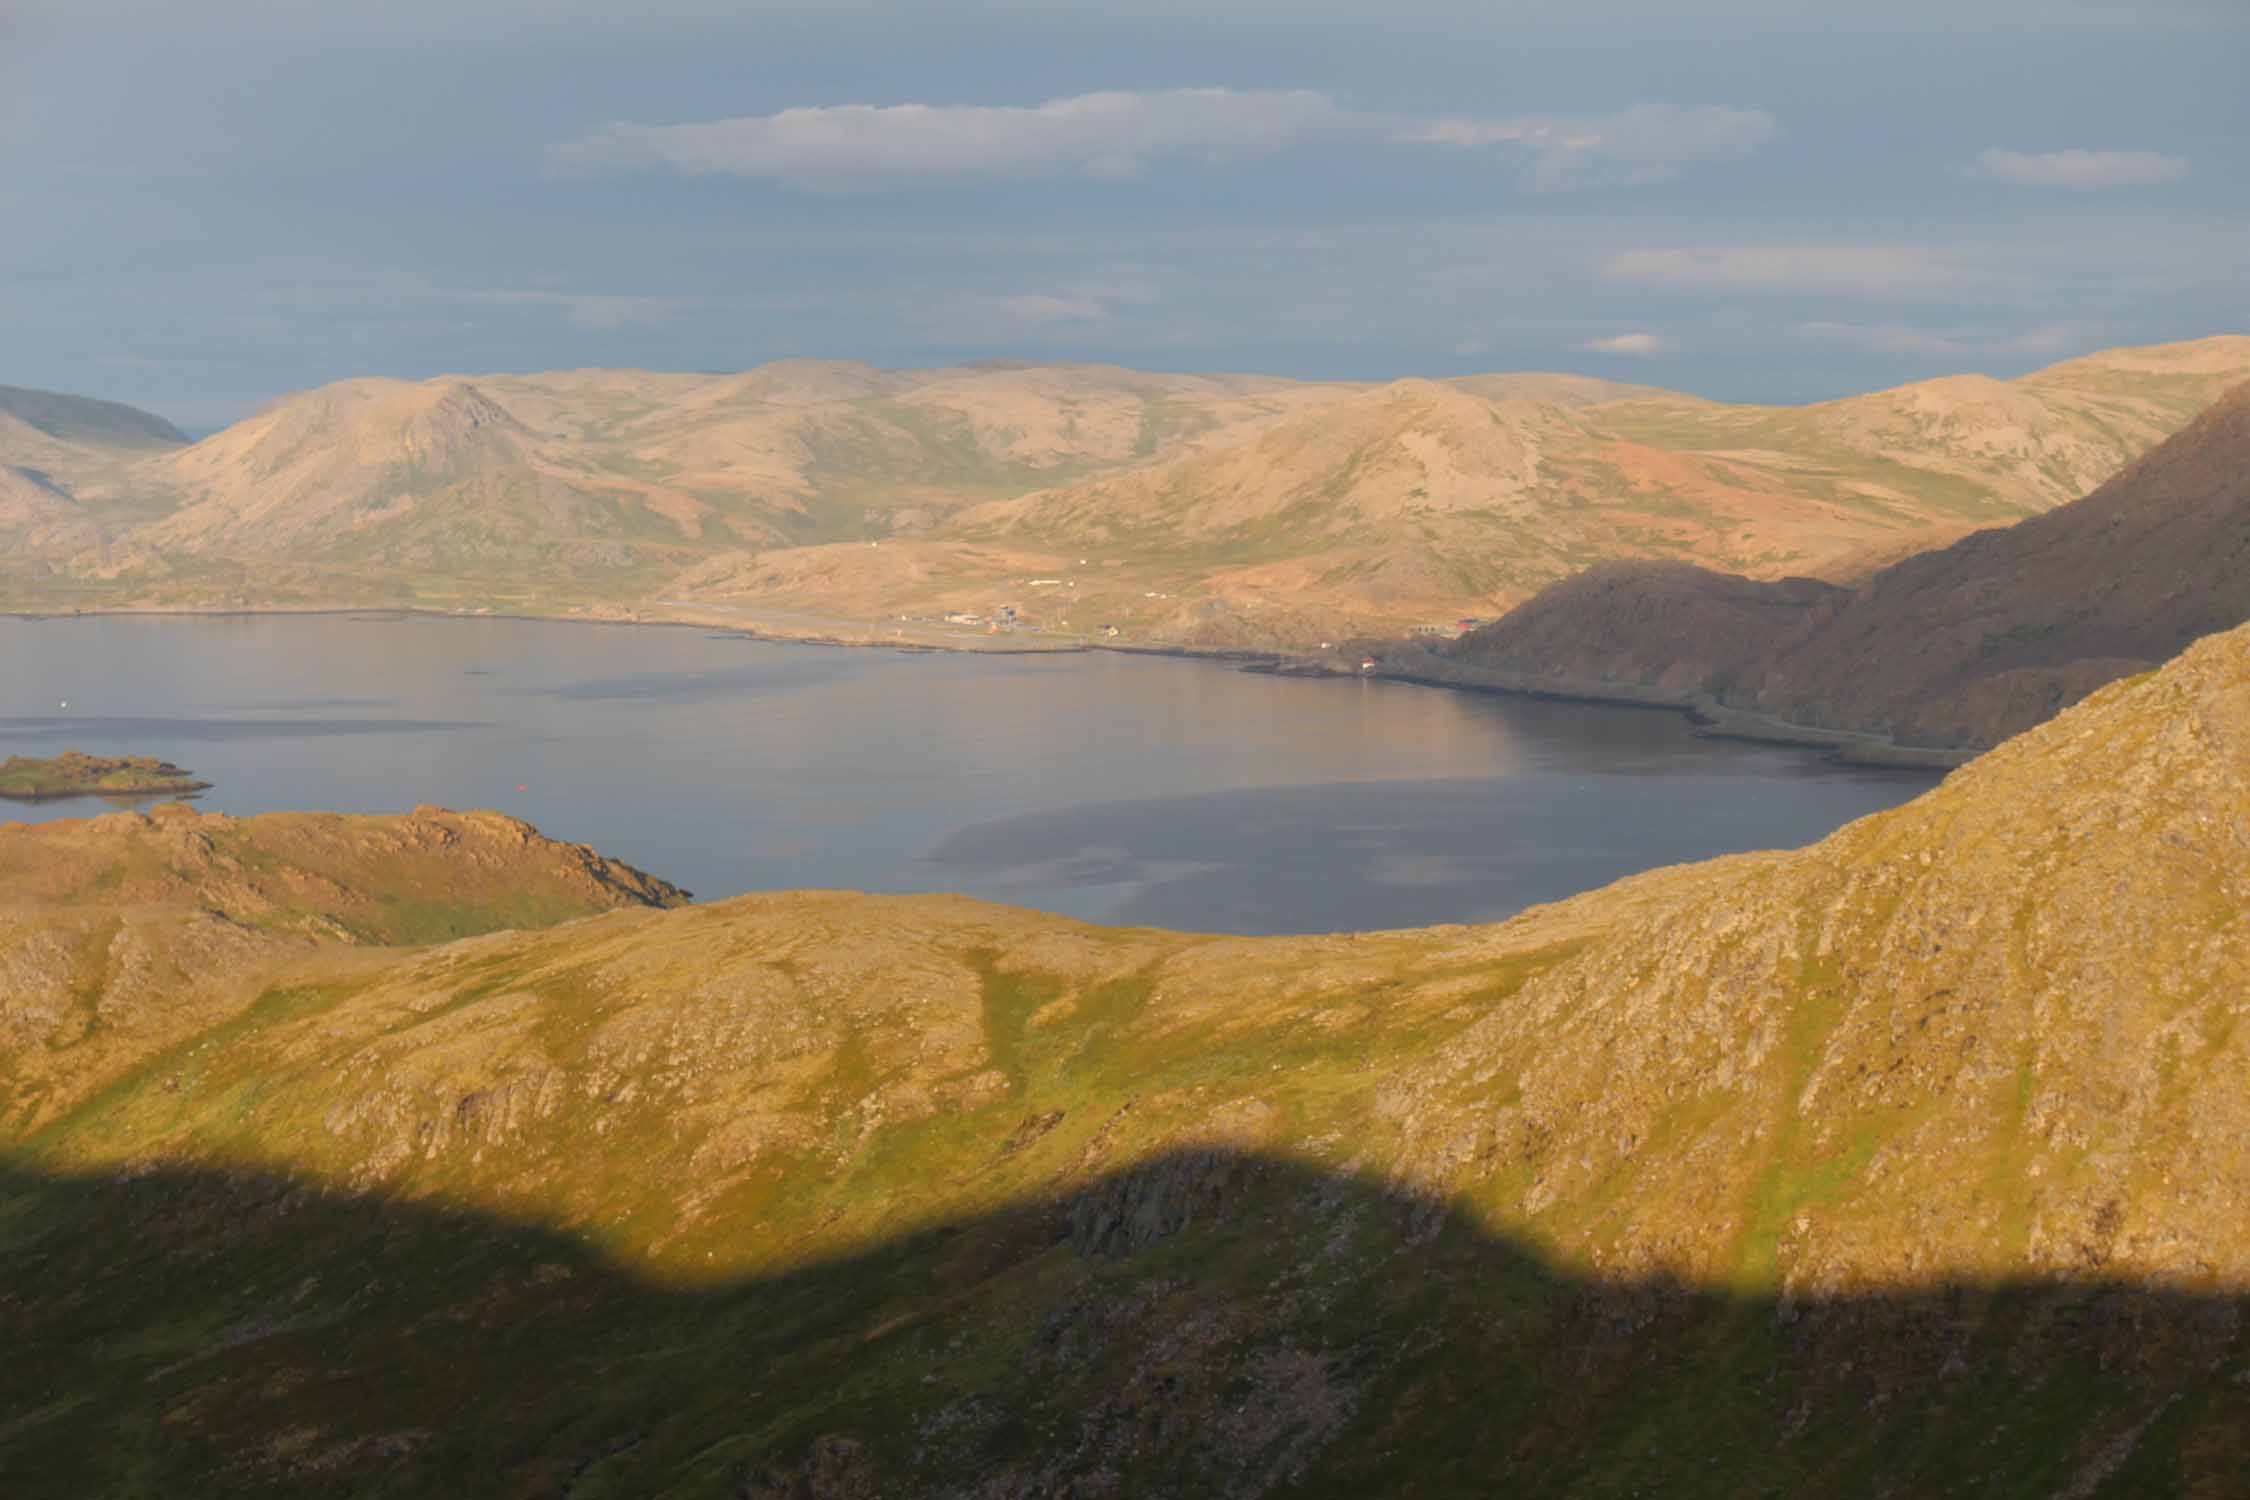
<point x="1205" y="1324"/>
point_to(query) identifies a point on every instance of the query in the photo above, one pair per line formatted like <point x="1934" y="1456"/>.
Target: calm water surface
<point x="1127" y="789"/>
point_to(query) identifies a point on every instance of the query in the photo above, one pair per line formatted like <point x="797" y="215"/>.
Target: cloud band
<point x="1118" y="135"/>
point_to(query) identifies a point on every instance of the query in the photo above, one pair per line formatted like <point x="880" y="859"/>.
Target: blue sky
<point x="206" y="205"/>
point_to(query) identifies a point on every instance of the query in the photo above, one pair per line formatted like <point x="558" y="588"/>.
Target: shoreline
<point x="836" y="632"/>
<point x="122" y="793"/>
<point x="1716" y="721"/>
<point x="1712" y="720"/>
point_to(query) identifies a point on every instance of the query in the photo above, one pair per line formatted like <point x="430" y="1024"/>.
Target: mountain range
<point x="1909" y="1163"/>
<point x="1187" y="510"/>
<point x="1957" y="646"/>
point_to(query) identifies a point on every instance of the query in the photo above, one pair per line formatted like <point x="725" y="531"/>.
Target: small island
<point x="75" y="774"/>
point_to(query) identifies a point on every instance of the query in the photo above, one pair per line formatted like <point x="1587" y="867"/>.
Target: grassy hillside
<point x="121" y="935"/>
<point x="1909" y="1163"/>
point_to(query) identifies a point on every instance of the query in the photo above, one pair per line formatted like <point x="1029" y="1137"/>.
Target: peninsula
<point x="76" y="774"/>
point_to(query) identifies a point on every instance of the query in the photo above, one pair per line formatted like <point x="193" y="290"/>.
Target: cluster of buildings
<point x="1003" y="618"/>
<point x="1008" y="618"/>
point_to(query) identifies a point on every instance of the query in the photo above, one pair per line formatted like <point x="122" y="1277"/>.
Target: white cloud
<point x="1038" y="307"/>
<point x="1114" y="135"/>
<point x="1638" y="345"/>
<point x="1862" y="270"/>
<point x="1896" y="338"/>
<point x="841" y="147"/>
<point x="1645" y="143"/>
<point x="598" y="312"/>
<point x="2080" y="169"/>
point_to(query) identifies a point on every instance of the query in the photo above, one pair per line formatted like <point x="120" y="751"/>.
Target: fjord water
<point x="1134" y="789"/>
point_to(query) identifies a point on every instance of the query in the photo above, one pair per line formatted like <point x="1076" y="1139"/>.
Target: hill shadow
<point x="1202" y="1324"/>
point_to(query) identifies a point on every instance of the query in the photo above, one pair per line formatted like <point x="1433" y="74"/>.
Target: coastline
<point x="1712" y="720"/>
<point x="815" y="631"/>
<point x="123" y="793"/>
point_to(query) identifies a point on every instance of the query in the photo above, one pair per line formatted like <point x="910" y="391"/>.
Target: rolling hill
<point x="601" y="487"/>
<point x="1958" y="646"/>
<point x="1909" y="1163"/>
<point x="83" y="422"/>
<point x="1197" y="510"/>
<point x="1421" y="501"/>
<point x="68" y="485"/>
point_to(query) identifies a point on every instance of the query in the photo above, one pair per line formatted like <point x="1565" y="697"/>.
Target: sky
<point x="206" y="204"/>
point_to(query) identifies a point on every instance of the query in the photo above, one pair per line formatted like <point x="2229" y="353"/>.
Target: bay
<point x="1121" y="788"/>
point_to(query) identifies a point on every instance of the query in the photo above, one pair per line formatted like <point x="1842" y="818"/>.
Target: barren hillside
<point x="1183" y="509"/>
<point x="1962" y="645"/>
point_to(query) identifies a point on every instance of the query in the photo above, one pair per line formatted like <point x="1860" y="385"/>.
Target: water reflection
<point x="1123" y="788"/>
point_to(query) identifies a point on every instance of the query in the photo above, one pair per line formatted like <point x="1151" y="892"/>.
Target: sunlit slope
<point x="1210" y="510"/>
<point x="1964" y="447"/>
<point x="1960" y="645"/>
<point x="599" y="486"/>
<point x="1912" y="1162"/>
<point x="39" y="517"/>
<point x="122" y="934"/>
<point x="66" y="485"/>
<point x="1422" y="500"/>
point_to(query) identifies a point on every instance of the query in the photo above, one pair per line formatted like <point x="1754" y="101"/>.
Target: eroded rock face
<point x="1913" y="1162"/>
<point x="1963" y="646"/>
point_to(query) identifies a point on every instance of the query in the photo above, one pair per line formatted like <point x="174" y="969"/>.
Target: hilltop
<point x="1203" y="510"/>
<point x="598" y="487"/>
<point x="70" y="483"/>
<point x="1912" y="1162"/>
<point x="123" y="933"/>
<point x="1959" y="646"/>
<point x="1422" y="501"/>
<point x="84" y="421"/>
